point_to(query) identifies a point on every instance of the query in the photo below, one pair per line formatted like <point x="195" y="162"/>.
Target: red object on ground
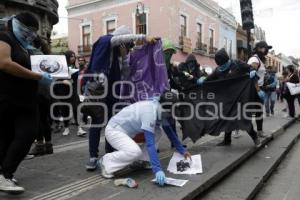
<point x="139" y="138"/>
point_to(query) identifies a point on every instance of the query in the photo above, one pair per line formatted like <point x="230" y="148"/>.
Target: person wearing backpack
<point x="109" y="60"/>
<point x="269" y="87"/>
<point x="257" y="61"/>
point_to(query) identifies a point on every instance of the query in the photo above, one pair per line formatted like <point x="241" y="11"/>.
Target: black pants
<point x="259" y="118"/>
<point x="18" y="130"/>
<point x="291" y="104"/>
<point x="63" y="111"/>
<point x="252" y="133"/>
<point x="44" y="120"/>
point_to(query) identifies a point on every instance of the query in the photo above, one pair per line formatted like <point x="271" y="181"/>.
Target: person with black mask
<point x="191" y="69"/>
<point x="18" y="96"/>
<point x="257" y="61"/>
<point x="230" y="68"/>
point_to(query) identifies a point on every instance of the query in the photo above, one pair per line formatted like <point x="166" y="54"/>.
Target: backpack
<point x="93" y="89"/>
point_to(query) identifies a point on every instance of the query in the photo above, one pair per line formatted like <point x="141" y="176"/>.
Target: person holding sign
<point x="18" y="96"/>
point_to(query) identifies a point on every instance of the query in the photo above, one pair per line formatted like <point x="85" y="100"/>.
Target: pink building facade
<point x="194" y="21"/>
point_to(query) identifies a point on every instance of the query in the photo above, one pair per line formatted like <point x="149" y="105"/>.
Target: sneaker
<point x="7" y="185"/>
<point x="261" y="134"/>
<point x="103" y="171"/>
<point x="38" y="150"/>
<point x="224" y="143"/>
<point x="48" y="148"/>
<point x="66" y="132"/>
<point x="81" y="132"/>
<point x="267" y="114"/>
<point x="236" y="134"/>
<point x="91" y="165"/>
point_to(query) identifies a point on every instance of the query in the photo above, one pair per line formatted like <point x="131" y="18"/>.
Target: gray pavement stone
<point x="54" y="172"/>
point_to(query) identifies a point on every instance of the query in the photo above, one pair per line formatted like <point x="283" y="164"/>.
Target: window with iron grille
<point x="141" y="24"/>
<point x="86" y="35"/>
<point x="211" y="38"/>
<point x="199" y="31"/>
<point x="230" y="48"/>
<point x="183" y="25"/>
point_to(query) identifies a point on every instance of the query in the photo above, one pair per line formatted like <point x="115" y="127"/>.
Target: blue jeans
<point x="270" y="101"/>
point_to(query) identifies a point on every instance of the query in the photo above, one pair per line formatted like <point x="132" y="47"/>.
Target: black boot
<point x="226" y="141"/>
<point x="38" y="150"/>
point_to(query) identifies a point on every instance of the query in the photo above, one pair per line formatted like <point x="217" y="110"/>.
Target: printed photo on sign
<point x="55" y="65"/>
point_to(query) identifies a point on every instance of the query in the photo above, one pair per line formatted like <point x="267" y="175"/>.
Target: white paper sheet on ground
<point x="195" y="164"/>
<point x="174" y="182"/>
<point x="55" y="65"/>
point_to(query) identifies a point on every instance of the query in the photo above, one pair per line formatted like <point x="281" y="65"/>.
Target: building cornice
<point x="70" y="7"/>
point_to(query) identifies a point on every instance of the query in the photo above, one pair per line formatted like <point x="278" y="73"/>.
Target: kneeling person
<point x="143" y="116"/>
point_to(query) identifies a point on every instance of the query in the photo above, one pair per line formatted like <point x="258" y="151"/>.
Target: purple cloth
<point x="148" y="74"/>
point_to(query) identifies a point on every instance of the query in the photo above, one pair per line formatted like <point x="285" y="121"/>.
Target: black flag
<point x="223" y="105"/>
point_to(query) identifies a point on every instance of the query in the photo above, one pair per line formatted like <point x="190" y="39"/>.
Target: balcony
<point x="212" y="50"/>
<point x="84" y="50"/>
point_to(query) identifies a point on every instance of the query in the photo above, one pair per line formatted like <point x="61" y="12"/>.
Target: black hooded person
<point x="191" y="70"/>
<point x="257" y="62"/>
<point x="18" y="96"/>
<point x="230" y="68"/>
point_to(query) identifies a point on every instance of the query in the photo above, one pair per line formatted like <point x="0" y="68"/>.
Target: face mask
<point x="225" y="67"/>
<point x="24" y="34"/>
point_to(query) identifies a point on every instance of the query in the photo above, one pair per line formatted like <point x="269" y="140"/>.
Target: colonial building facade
<point x="199" y="27"/>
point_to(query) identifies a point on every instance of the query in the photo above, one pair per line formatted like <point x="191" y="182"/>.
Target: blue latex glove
<point x="46" y="80"/>
<point x="252" y="74"/>
<point x="261" y="95"/>
<point x="201" y="80"/>
<point x="160" y="178"/>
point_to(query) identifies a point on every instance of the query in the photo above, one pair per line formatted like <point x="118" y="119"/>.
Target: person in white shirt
<point x="257" y="61"/>
<point x="141" y="117"/>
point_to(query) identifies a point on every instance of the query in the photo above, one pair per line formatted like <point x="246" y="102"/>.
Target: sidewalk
<point x="63" y="176"/>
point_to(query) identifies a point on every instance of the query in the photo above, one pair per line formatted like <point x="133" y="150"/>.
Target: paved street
<point x="63" y="175"/>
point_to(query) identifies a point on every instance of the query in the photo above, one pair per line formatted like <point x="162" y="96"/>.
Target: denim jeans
<point x="270" y="102"/>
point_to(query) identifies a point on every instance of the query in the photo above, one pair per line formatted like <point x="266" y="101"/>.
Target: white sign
<point x="55" y="65"/>
<point x="195" y="164"/>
